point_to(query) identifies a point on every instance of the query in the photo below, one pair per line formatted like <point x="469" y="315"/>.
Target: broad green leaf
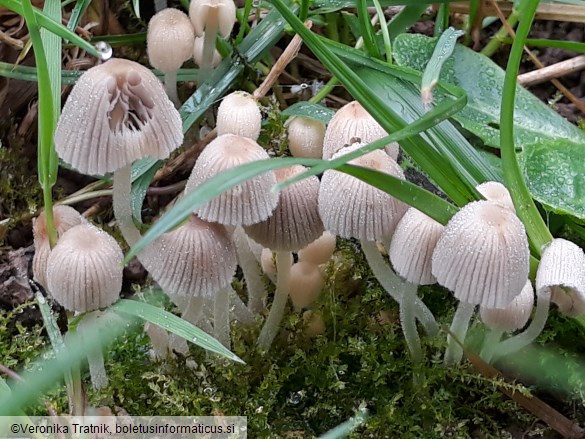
<point x="312" y="111"/>
<point x="483" y="81"/>
<point x="555" y="175"/>
<point x="174" y="324"/>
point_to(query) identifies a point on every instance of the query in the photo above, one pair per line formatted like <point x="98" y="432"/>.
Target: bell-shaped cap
<point x="319" y="251"/>
<point x="84" y="270"/>
<point x="247" y="203"/>
<point x="295" y="222"/>
<point x="562" y="269"/>
<point x="412" y="247"/>
<point x="496" y="191"/>
<point x="217" y="13"/>
<point x="64" y="218"/>
<point x="169" y="40"/>
<point x="116" y="113"/>
<point x="239" y="114"/>
<point x="305" y="137"/>
<point x="351" y="208"/>
<point x="483" y="255"/>
<point x="305" y="284"/>
<point x="352" y="121"/>
<point x="512" y="317"/>
<point x="196" y="259"/>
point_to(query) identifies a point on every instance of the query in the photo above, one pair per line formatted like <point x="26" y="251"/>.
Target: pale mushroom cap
<point x="245" y="204"/>
<point x="305" y="284"/>
<point x="351" y="208"/>
<point x="202" y="11"/>
<point x="169" y="40"/>
<point x="239" y="114"/>
<point x="483" y="255"/>
<point x="496" y="191"/>
<point x="514" y="316"/>
<point x="116" y="113"/>
<point x="352" y="121"/>
<point x="64" y="218"/>
<point x="198" y="52"/>
<point x="305" y="137"/>
<point x="412" y="247"/>
<point x="319" y="251"/>
<point x="84" y="270"/>
<point x="562" y="269"/>
<point x="295" y="222"/>
<point x="196" y="259"/>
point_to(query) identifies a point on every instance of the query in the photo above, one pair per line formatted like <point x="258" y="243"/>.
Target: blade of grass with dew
<point x="174" y="324"/>
<point x="345" y="428"/>
<point x="312" y="111"/>
<point x="52" y="26"/>
<point x="42" y="375"/>
<point x="45" y="119"/>
<point x="77" y="13"/>
<point x="441" y="20"/>
<point x="443" y="50"/>
<point x="434" y="165"/>
<point x="384" y="31"/>
<point x="367" y="30"/>
<point x="526" y="210"/>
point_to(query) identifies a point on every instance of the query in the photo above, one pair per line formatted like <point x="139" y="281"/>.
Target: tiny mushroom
<point x="305" y="137"/>
<point x="239" y="114"/>
<point x="305" y="284"/>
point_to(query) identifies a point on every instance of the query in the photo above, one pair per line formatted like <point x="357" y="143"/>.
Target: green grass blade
<point x="404" y="19"/>
<point x="345" y="428"/>
<point x="44" y="374"/>
<point x="384" y="31"/>
<point x="174" y="324"/>
<point x="78" y="11"/>
<point x="526" y="210"/>
<point x="575" y="46"/>
<point x="52" y="26"/>
<point x="367" y="30"/>
<point x="136" y="7"/>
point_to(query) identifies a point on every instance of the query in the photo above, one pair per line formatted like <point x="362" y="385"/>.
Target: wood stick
<point x="553" y="71"/>
<point x="545" y="11"/>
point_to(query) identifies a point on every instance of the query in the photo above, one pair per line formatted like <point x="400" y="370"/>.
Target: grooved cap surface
<point x="116" y="113"/>
<point x="169" y="40"/>
<point x="239" y="114"/>
<point x="483" y="255"/>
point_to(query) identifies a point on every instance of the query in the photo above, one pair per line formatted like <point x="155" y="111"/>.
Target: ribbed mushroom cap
<point x="351" y="208"/>
<point x="245" y="204"/>
<point x="116" y="113"/>
<point x="198" y="52"/>
<point x="496" y="191"/>
<point x="201" y="12"/>
<point x="562" y="269"/>
<point x="64" y="218"/>
<point x="319" y="251"/>
<point x="483" y="255"/>
<point x="412" y="247"/>
<point x="196" y="259"/>
<point x="295" y="222"/>
<point x="169" y="40"/>
<point x="350" y="122"/>
<point x="239" y="114"/>
<point x="514" y="316"/>
<point x="305" y="284"/>
<point x="84" y="270"/>
<point x="305" y="137"/>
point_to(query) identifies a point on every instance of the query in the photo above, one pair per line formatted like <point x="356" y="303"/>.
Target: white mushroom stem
<point x="251" y="270"/>
<point x="95" y="357"/>
<point x="458" y="329"/>
<point x="122" y="209"/>
<point x="536" y="326"/>
<point x="171" y="87"/>
<point x="284" y="261"/>
<point x="211" y="29"/>
<point x="408" y="322"/>
<point x="239" y="310"/>
<point x="490" y="342"/>
<point x="221" y="316"/>
<point x="395" y="286"/>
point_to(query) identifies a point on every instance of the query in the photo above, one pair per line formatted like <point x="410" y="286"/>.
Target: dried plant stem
<point x="284" y="261"/>
<point x="458" y="329"/>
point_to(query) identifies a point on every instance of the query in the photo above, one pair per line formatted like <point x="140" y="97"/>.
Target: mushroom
<point x="560" y="275"/>
<point x="496" y="191"/>
<point x="352" y="121"/>
<point x="239" y="114"/>
<point x="305" y="284"/>
<point x="305" y="137"/>
<point x="483" y="258"/>
<point x="210" y="17"/>
<point x="513" y="317"/>
<point x="169" y="43"/>
<point x="320" y="250"/>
